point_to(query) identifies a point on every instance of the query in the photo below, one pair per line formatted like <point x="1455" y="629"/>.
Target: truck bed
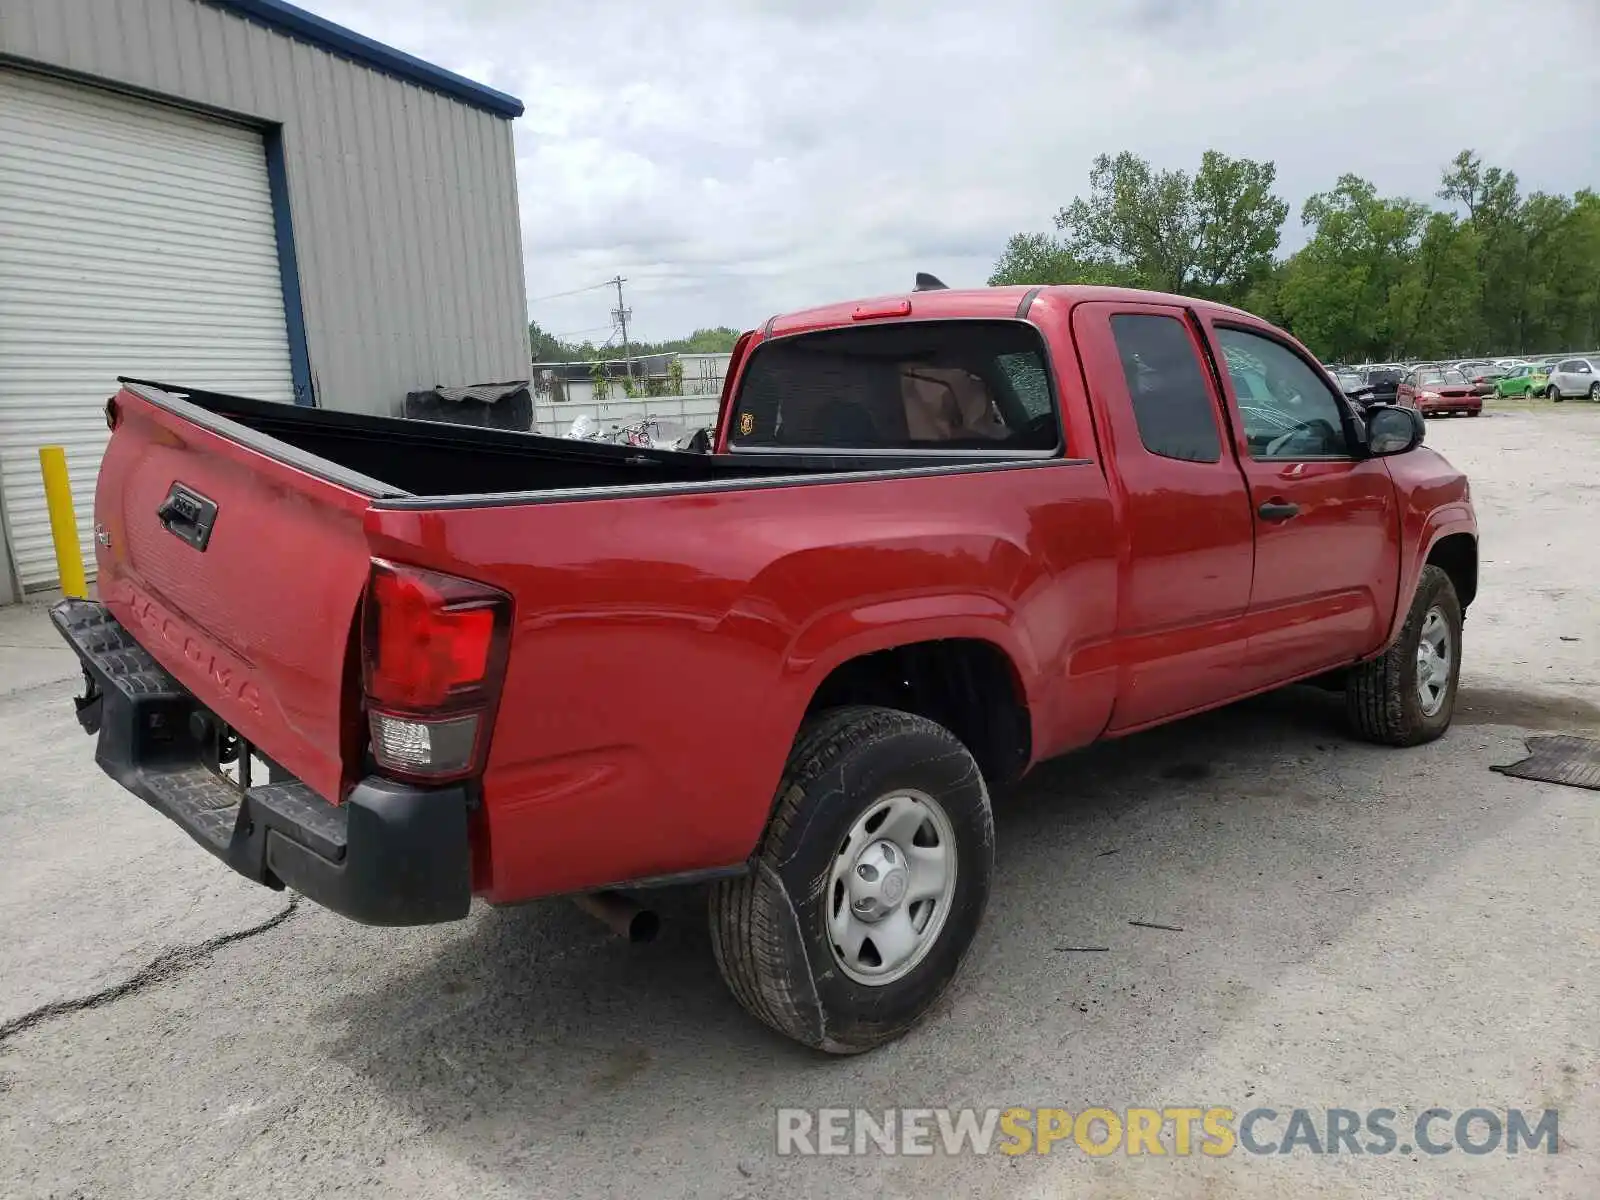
<point x="236" y="541"/>
<point x="391" y="457"/>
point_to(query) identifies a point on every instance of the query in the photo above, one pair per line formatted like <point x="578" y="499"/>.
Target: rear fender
<point x="838" y="637"/>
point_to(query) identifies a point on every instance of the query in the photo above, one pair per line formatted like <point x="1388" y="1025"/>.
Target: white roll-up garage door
<point x="135" y="239"/>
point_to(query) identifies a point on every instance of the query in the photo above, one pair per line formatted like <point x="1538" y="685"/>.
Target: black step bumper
<point x="391" y="854"/>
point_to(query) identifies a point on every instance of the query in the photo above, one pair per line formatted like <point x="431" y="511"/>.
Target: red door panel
<point x="1185" y="569"/>
<point x="1326" y="521"/>
<point x="1325" y="578"/>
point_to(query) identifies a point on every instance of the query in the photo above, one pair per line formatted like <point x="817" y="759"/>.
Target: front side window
<point x="1287" y="410"/>
<point x="911" y="386"/>
<point x="1167" y="385"/>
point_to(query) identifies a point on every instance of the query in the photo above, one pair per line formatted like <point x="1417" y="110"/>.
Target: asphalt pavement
<point x="1325" y="925"/>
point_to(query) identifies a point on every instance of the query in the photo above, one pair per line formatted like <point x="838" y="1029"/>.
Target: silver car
<point x="1574" y="377"/>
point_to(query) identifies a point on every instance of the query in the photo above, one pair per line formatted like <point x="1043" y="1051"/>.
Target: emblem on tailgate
<point x="227" y="673"/>
<point x="187" y="515"/>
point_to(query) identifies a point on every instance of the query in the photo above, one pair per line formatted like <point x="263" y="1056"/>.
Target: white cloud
<point x="735" y="159"/>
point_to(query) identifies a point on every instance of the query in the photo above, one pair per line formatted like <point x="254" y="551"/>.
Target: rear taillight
<point x="433" y="650"/>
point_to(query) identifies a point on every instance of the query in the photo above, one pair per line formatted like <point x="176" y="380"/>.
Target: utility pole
<point x="620" y="315"/>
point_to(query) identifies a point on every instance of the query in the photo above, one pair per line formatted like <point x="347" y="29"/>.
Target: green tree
<point x="546" y="347"/>
<point x="1434" y="309"/>
<point x="1039" y="258"/>
<point x="1495" y="213"/>
<point x="1212" y="233"/>
<point x="1334" y="294"/>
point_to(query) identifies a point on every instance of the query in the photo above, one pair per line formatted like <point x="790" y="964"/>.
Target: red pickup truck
<point x="944" y="536"/>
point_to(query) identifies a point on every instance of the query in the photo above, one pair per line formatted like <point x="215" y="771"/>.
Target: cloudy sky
<point x="734" y="158"/>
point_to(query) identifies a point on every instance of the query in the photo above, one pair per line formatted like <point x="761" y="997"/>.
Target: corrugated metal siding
<point x="135" y="239"/>
<point x="403" y="201"/>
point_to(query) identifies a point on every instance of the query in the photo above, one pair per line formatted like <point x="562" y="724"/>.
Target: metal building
<point x="234" y="194"/>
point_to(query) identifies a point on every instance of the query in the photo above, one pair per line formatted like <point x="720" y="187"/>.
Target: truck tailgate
<point x="239" y="572"/>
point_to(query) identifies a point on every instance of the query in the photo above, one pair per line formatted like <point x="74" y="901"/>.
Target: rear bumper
<point x="391" y="854"/>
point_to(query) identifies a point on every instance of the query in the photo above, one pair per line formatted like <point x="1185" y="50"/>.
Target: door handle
<point x="188" y="516"/>
<point x="1278" y="510"/>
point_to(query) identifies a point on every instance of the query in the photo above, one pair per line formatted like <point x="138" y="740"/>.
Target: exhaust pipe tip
<point x="621" y="915"/>
<point x="644" y="926"/>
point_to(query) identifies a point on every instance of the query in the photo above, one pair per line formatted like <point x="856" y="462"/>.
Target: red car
<point x="943" y="537"/>
<point x="1439" y="390"/>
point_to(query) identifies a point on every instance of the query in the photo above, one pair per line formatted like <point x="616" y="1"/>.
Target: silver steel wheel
<point x="1434" y="654"/>
<point x="891" y="887"/>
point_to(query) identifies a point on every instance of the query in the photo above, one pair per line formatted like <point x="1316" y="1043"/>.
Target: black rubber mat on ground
<point x="1559" y="758"/>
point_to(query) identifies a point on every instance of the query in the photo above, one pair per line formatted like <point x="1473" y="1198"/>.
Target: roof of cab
<point x="991" y="302"/>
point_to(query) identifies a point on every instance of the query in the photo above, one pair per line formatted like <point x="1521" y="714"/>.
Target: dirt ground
<point x="1353" y="928"/>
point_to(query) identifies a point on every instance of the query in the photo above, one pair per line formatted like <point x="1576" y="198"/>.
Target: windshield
<point x="1449" y="377"/>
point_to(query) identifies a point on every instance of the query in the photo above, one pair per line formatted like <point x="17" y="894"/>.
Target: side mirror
<point x="1393" y="430"/>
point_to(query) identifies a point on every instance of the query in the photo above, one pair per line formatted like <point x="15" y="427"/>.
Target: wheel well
<point x="1457" y="554"/>
<point x="967" y="685"/>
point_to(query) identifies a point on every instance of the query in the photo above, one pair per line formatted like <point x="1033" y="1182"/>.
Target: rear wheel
<point x="1553" y="393"/>
<point x="1407" y="695"/>
<point x="1594" y="392"/>
<point x="869" y="885"/>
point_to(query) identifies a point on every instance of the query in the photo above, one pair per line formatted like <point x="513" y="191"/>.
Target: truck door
<point x="1187" y="555"/>
<point x="1326" y="522"/>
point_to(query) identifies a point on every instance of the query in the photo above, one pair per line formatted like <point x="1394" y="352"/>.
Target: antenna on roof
<point x="930" y="283"/>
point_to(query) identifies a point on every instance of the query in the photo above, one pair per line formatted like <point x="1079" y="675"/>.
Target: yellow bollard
<point x="63" y="524"/>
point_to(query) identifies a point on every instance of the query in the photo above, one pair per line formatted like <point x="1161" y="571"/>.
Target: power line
<point x="593" y="287"/>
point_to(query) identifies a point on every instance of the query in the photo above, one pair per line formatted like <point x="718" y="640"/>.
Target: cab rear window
<point x="911" y="386"/>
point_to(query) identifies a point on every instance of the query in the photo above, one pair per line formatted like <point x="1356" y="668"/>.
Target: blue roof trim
<point x="309" y="27"/>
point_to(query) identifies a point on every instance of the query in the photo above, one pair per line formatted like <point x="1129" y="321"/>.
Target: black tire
<point x="1553" y="393"/>
<point x="1381" y="697"/>
<point x="769" y="928"/>
<point x="1475" y="412"/>
<point x="1594" y="392"/>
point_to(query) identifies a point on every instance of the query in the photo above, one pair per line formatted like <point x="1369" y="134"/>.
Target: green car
<point x="1526" y="380"/>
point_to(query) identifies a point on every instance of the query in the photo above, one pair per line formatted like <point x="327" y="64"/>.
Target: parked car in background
<point x="1529" y="379"/>
<point x="1572" y="378"/>
<point x="1434" y="391"/>
<point x="1348" y="380"/>
<point x="1481" y="375"/>
<point x="1384" y="382"/>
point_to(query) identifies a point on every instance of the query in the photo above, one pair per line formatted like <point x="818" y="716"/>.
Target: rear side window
<point x="1167" y="385"/>
<point x="912" y="386"/>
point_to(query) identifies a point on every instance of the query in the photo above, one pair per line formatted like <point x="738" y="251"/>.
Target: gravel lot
<point x="1360" y="928"/>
